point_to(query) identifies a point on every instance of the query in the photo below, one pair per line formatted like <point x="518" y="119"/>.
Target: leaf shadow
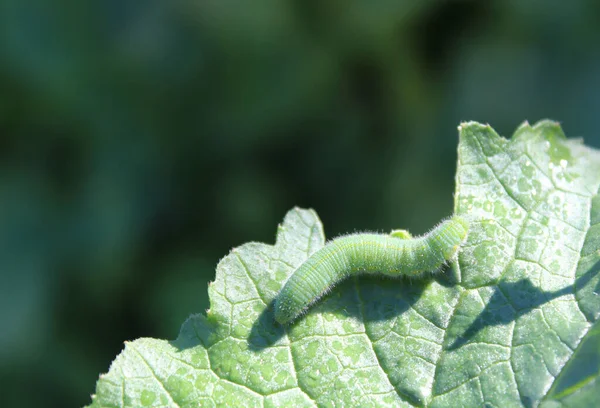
<point x="510" y="300"/>
<point x="396" y="295"/>
<point x="265" y="330"/>
<point x="371" y="298"/>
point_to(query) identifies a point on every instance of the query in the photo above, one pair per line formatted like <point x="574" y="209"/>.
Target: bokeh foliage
<point x="140" y="141"/>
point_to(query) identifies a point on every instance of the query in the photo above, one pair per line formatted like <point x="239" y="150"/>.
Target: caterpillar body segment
<point x="390" y="255"/>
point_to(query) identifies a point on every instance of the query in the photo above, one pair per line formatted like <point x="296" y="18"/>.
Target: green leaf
<point x="513" y="323"/>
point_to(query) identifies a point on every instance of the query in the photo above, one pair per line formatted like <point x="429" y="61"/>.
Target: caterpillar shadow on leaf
<point x="353" y="298"/>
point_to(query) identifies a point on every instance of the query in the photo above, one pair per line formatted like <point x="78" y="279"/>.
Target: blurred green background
<point x="141" y="140"/>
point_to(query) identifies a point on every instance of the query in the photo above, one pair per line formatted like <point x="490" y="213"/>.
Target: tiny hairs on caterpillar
<point x="397" y="254"/>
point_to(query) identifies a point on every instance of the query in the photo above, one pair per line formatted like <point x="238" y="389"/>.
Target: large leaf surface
<point x="513" y="323"/>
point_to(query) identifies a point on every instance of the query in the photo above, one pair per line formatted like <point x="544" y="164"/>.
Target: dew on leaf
<point x="179" y="388"/>
<point x="147" y="398"/>
<point x="311" y="349"/>
<point x="283" y="378"/>
<point x="240" y="331"/>
<point x="499" y="210"/>
<point x="528" y="170"/>
<point x="280" y="275"/>
<point x="203" y="380"/>
<point x="312" y="379"/>
<point x="516" y="213"/>
<point x="281" y="356"/>
<point x="274" y="285"/>
<point x="353" y="351"/>
<point x="267" y="371"/>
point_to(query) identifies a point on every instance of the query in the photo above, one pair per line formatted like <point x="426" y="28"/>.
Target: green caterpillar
<point x="397" y="254"/>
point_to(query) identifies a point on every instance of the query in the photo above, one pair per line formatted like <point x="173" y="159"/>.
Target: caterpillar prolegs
<point x="397" y="254"/>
